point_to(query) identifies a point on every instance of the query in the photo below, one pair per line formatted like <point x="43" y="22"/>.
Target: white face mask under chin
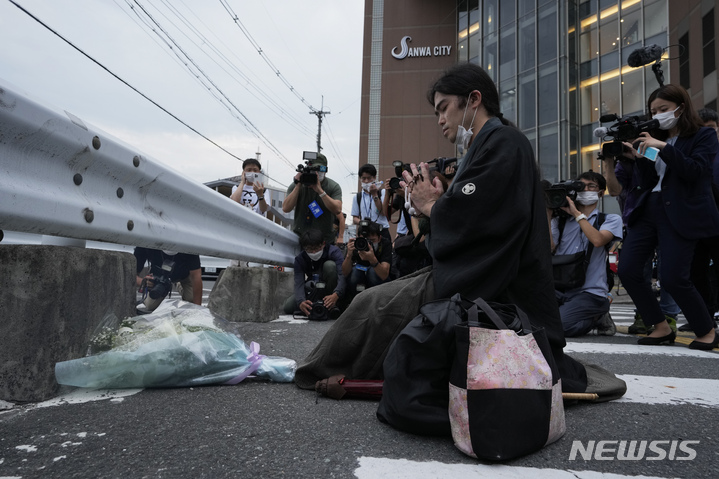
<point x="587" y="197"/>
<point x="464" y="135"/>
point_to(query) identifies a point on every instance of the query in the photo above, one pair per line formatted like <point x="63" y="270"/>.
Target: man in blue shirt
<point x="586" y="307"/>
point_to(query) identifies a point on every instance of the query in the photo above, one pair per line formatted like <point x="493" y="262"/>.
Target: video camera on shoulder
<point x="627" y="128"/>
<point x="308" y="170"/>
<point x="437" y="164"/>
<point x="555" y="195"/>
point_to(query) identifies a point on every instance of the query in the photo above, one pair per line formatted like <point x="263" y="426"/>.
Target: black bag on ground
<point x="415" y="393"/>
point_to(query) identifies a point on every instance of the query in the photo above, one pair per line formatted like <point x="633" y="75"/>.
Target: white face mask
<point x="667" y="120"/>
<point x="321" y="175"/>
<point x="587" y="197"/>
<point x="375" y="245"/>
<point x="315" y="256"/>
<point x="169" y="252"/>
<point x="463" y="135"/>
<point x="367" y="186"/>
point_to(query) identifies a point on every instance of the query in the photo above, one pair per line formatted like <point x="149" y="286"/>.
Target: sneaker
<point x="638" y="327"/>
<point x="606" y="326"/>
<point x="672" y="322"/>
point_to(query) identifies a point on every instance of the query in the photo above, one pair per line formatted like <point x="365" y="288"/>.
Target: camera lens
<point x="361" y="244"/>
<point x="394" y="183"/>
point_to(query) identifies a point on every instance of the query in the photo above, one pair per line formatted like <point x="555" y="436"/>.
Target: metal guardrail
<point x="61" y="176"/>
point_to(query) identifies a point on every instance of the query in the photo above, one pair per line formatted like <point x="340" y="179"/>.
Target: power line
<point x="257" y="47"/>
<point x="120" y="79"/>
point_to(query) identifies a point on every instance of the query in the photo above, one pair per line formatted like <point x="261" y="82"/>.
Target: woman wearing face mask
<point x="585" y="307"/>
<point x="674" y="210"/>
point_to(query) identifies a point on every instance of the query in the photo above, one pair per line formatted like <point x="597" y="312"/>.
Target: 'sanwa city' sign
<point x="407" y="51"/>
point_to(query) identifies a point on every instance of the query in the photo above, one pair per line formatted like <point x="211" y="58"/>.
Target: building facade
<point x="559" y="66"/>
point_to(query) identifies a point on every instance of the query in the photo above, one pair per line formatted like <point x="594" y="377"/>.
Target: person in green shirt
<point x="315" y="205"/>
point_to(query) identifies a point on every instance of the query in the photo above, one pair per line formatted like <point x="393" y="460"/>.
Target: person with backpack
<point x="584" y="305"/>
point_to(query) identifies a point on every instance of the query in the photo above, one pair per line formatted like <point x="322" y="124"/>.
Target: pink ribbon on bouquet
<point x="255" y="359"/>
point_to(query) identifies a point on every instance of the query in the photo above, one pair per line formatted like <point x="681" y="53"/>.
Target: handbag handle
<point x="480" y="303"/>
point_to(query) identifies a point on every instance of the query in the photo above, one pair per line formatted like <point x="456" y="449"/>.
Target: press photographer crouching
<point x="168" y="268"/>
<point x="368" y="260"/>
<point x="319" y="283"/>
<point x="579" y="235"/>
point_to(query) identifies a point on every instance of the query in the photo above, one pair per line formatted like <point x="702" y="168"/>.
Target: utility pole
<point x="320" y="114"/>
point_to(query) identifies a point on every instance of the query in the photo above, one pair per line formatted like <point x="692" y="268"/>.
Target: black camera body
<point x="437" y="164"/>
<point x="361" y="243"/>
<point x="556" y="195"/>
<point x="161" y="279"/>
<point x="627" y="128"/>
<point x="318" y="312"/>
<point x="308" y="171"/>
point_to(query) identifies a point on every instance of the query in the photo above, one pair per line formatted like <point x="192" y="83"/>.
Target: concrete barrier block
<point x="51" y="300"/>
<point x="250" y="294"/>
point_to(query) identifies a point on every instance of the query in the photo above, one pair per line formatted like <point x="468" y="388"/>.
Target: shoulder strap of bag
<point x="479" y="303"/>
<point x="359" y="203"/>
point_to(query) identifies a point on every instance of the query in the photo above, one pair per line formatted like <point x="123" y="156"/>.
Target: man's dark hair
<point x="373" y="229"/>
<point x="595" y="177"/>
<point x="707" y="114"/>
<point x="461" y="80"/>
<point x="251" y="161"/>
<point x="368" y="168"/>
<point x="311" y="237"/>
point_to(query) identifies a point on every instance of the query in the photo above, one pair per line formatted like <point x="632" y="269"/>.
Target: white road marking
<point x="670" y="391"/>
<point x="83" y="395"/>
<point x="374" y="468"/>
<point x="612" y="348"/>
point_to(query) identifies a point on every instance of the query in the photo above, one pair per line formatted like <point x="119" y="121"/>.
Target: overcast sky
<point x="316" y="45"/>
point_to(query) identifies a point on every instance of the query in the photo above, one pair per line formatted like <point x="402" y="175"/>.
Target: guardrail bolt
<point x="120" y="192"/>
<point x="130" y="225"/>
<point x="136" y="161"/>
<point x="77" y="179"/>
<point x="89" y="215"/>
<point x="96" y="142"/>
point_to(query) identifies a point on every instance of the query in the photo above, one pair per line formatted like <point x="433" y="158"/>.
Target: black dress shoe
<point x="651" y="341"/>
<point x="685" y="328"/>
<point x="705" y="346"/>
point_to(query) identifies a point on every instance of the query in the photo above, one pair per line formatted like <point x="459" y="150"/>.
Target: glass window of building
<point x="547" y="33"/>
<point x="656" y="18"/>
<point x="590" y="101"/>
<point x="507" y="11"/>
<point x="548" y="95"/>
<point x="549" y="152"/>
<point x="525" y="6"/>
<point x="609" y="94"/>
<point x="527" y="101"/>
<point x="608" y="35"/>
<point x="632" y="92"/>
<point x="527" y="43"/>
<point x="508" y="100"/>
<point x="507" y="53"/>
<point x="490" y="17"/>
<point x="489" y="59"/>
<point x="631" y="25"/>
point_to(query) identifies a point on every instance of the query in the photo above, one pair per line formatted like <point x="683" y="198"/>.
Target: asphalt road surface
<point x="267" y="430"/>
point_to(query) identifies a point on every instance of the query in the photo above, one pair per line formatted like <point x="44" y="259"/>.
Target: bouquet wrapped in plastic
<point x="180" y="344"/>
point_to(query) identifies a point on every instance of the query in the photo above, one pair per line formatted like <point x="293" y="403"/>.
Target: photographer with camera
<point x="319" y="282"/>
<point x="368" y="259"/>
<point x="577" y="226"/>
<point x="371" y="202"/>
<point x="675" y="209"/>
<point x="168" y="268"/>
<point x="315" y="199"/>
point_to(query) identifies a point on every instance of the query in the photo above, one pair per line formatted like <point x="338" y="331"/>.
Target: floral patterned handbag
<point x="505" y="394"/>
